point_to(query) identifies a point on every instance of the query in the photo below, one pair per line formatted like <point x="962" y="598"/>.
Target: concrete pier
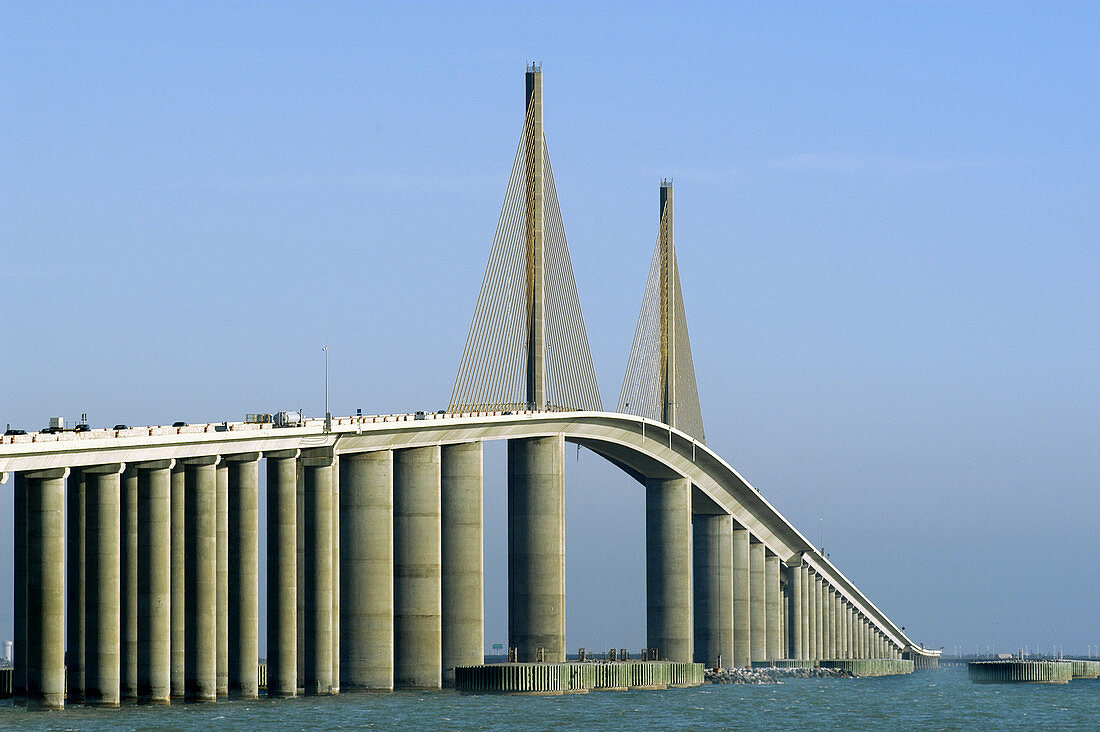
<point x="128" y="624"/>
<point x="74" y="587"/>
<point x="849" y="629"/>
<point x="829" y="618"/>
<point x="200" y="595"/>
<point x="742" y="640"/>
<point x="178" y="604"/>
<point x="536" y="547"/>
<point x="712" y="545"/>
<point x="221" y="578"/>
<point x="668" y="568"/>
<point x="366" y="551"/>
<point x="317" y="639"/>
<point x="282" y="573"/>
<point x="773" y="626"/>
<point x="20" y="492"/>
<point x="807" y="597"/>
<point x="102" y="567"/>
<point x="154" y="582"/>
<point x="336" y="575"/>
<point x="794" y="612"/>
<point x="819" y="617"/>
<point x="243" y="574"/>
<point x="45" y="588"/>
<point x="417" y="570"/>
<point x="758" y="617"/>
<point x="462" y="586"/>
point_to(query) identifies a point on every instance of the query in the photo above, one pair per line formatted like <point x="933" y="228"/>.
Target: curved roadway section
<point x="641" y="447"/>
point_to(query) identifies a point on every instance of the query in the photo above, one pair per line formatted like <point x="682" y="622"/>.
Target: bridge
<point x="137" y="559"/>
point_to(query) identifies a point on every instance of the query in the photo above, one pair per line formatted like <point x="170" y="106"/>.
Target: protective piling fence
<point x="785" y="663"/>
<point x="1085" y="669"/>
<point x="1020" y="671"/>
<point x="922" y="661"/>
<point x="870" y="666"/>
<point x="6" y="682"/>
<point x="567" y="678"/>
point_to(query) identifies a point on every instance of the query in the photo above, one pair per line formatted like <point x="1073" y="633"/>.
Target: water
<point x="929" y="700"/>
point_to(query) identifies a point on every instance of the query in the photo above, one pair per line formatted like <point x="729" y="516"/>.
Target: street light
<point x="328" y="415"/>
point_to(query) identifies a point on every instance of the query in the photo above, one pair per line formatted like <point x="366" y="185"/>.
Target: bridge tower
<point x="535" y="201"/>
<point x="660" y="384"/>
<point x="528" y="350"/>
<point x="660" y="375"/>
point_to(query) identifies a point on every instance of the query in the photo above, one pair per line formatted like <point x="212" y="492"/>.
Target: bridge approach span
<point x="642" y="447"/>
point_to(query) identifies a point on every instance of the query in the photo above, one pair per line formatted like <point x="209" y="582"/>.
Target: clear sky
<point x="887" y="219"/>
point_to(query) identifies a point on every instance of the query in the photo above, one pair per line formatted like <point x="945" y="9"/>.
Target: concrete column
<point x="758" y="617"/>
<point x="74" y="587"/>
<point x="845" y="630"/>
<point x="367" y="582"/>
<point x="103" y="513"/>
<point x="860" y="652"/>
<point x="784" y="606"/>
<point x="794" y="611"/>
<point x="536" y="547"/>
<point x="154" y="582"/>
<point x="19" y="591"/>
<point x="221" y="578"/>
<point x="317" y="640"/>
<point x="335" y="652"/>
<point x="853" y="631"/>
<point x="773" y="607"/>
<point x="864" y="638"/>
<point x="282" y="573"/>
<point x="417" y="570"/>
<point x="742" y="640"/>
<point x="177" y="603"/>
<point x="848" y="640"/>
<point x="819" y="618"/>
<point x="243" y="573"/>
<point x="668" y="568"/>
<point x="829" y="612"/>
<point x="462" y="557"/>
<point x="806" y="622"/>
<point x="45" y="588"/>
<point x="712" y="546"/>
<point x="129" y="586"/>
<point x="200" y="596"/>
<point x="300" y="569"/>
<point x="811" y="612"/>
<point x="838" y="630"/>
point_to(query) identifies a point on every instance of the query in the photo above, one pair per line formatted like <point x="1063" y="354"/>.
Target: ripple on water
<point x="942" y="700"/>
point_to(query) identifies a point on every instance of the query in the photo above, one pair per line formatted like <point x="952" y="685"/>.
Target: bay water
<point x="941" y="699"/>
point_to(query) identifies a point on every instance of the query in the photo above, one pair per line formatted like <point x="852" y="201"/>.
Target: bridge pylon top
<point x="660" y="374"/>
<point x="528" y="347"/>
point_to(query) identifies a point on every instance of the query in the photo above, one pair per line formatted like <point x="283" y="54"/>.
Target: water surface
<point x="942" y="699"/>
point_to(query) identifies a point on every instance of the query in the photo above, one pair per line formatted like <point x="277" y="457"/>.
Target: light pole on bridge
<point x="328" y="415"/>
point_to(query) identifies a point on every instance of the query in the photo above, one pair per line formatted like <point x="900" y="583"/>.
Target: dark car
<point x="121" y="427"/>
<point x="9" y="431"/>
<point x="179" y="424"/>
<point x="82" y="427"/>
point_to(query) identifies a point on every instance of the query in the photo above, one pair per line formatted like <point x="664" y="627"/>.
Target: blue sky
<point x="886" y="221"/>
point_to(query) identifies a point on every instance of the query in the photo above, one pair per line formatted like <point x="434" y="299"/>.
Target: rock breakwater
<point x="771" y="675"/>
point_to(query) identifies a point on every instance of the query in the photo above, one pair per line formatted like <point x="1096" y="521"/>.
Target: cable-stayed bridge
<point x="137" y="558"/>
